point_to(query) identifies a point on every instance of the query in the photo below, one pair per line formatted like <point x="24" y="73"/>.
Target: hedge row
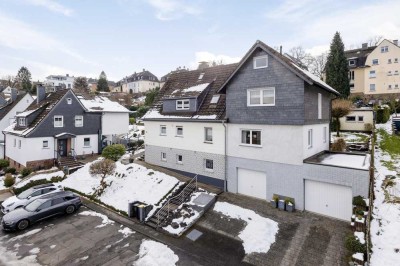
<point x="33" y="183"/>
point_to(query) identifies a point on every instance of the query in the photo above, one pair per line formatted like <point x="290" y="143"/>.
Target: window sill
<point x="260" y="67"/>
<point x="163" y="160"/>
<point x="257" y="105"/>
<point x="87" y="147"/>
<point x="163" y="135"/>
<point x="179" y="136"/>
<point x="309" y="147"/>
<point x="179" y="163"/>
<point x="45" y="148"/>
<point x="208" y="142"/>
<point x="209" y="170"/>
<point x="250" y="145"/>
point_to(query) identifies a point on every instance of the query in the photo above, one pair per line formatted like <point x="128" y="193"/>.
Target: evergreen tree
<point x="151" y="96"/>
<point x="23" y="79"/>
<point x="81" y="85"/>
<point x="102" y="83"/>
<point x="337" y="70"/>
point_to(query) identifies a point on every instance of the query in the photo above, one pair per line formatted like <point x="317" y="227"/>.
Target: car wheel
<point x="70" y="209"/>
<point x="23" y="224"/>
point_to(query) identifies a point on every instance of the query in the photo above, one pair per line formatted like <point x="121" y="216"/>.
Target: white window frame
<point x="396" y="72"/>
<point x="15" y="142"/>
<point x="351" y="121"/>
<point x="251" y="139"/>
<point x="324" y="134"/>
<point x="201" y="76"/>
<point x="389" y="60"/>
<point x="84" y="144"/>
<point x="22" y="121"/>
<point x="183" y="104"/>
<point x="370" y="87"/>
<point x="161" y="130"/>
<point x="352" y="62"/>
<point x="45" y="144"/>
<point x="177" y="159"/>
<point x="81" y="119"/>
<point x="384" y="49"/>
<point x="389" y="73"/>
<point x="372" y="74"/>
<point x="389" y="86"/>
<point x="319" y="106"/>
<point x="261" y="92"/>
<point x="215" y="99"/>
<point x="310" y="138"/>
<point x="205" y="134"/>
<point x="176" y="131"/>
<point x="207" y="168"/>
<point x="260" y="57"/>
<point x="163" y="156"/>
<point x="69" y="100"/>
<point x="56" y="123"/>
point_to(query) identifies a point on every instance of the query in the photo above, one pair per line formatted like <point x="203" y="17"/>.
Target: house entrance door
<point x="62" y="147"/>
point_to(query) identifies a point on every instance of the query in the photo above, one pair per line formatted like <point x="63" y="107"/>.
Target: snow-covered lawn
<point x="129" y="183"/>
<point x="152" y="253"/>
<point x="259" y="233"/>
<point x="2" y="183"/>
<point x="385" y="225"/>
<point x="47" y="176"/>
<point x="351" y="136"/>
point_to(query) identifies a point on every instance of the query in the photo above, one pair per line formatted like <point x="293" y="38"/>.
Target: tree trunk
<point x="337" y="126"/>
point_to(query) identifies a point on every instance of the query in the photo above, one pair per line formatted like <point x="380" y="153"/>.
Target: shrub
<point x="4" y="163"/>
<point x="359" y="201"/>
<point x="354" y="245"/>
<point x="134" y="135"/>
<point x="25" y="172"/>
<point x="275" y="198"/>
<point x="9" y="180"/>
<point x="359" y="213"/>
<point x="368" y="127"/>
<point x="56" y="179"/>
<point x="382" y="115"/>
<point x="140" y="142"/>
<point x="339" y="145"/>
<point x="131" y="120"/>
<point x="11" y="170"/>
<point x="113" y="152"/>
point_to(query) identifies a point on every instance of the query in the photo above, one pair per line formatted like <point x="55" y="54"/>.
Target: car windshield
<point x="25" y="194"/>
<point x="31" y="207"/>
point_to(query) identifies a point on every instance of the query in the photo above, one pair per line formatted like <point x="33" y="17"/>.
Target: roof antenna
<point x="280" y="49"/>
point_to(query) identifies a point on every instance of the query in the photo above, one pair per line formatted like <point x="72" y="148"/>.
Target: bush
<point x="4" y="163"/>
<point x="33" y="183"/>
<point x="25" y="172"/>
<point x="334" y="125"/>
<point x="140" y="142"/>
<point x="113" y="152"/>
<point x="11" y="170"/>
<point x="354" y="245"/>
<point x="339" y="145"/>
<point x="368" y="127"/>
<point x="132" y="120"/>
<point x="9" y="180"/>
<point x="382" y="115"/>
<point x="359" y="201"/>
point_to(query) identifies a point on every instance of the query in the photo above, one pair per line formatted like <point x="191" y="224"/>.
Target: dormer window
<point x="215" y="99"/>
<point x="352" y="62"/>
<point x="182" y="104"/>
<point x="22" y="121"/>
<point x="69" y="100"/>
<point x="201" y="76"/>
<point x="260" y="62"/>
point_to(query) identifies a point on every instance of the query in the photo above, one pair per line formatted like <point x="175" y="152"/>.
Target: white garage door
<point x="252" y="183"/>
<point x="328" y="199"/>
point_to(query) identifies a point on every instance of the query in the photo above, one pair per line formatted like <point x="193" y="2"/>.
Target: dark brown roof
<point x="360" y="55"/>
<point x="6" y="109"/>
<point x="177" y="83"/>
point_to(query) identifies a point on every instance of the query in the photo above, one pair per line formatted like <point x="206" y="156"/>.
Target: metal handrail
<point x="58" y="156"/>
<point x="73" y="153"/>
<point x="180" y="198"/>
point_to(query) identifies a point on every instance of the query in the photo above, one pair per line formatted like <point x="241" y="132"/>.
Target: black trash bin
<point x="139" y="210"/>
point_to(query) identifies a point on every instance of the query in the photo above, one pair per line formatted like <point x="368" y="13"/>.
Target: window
<point x="69" y="100"/>
<point x="261" y="97"/>
<point x="372" y="74"/>
<point x="179" y="159"/>
<point x="45" y="144"/>
<point x="19" y="144"/>
<point x="389" y="73"/>
<point x="351" y="75"/>
<point x="384" y="49"/>
<point x="78" y="121"/>
<point x="201" y="75"/>
<point x="260" y="62"/>
<point x="352" y="62"/>
<point x="182" y="104"/>
<point x="209" y="164"/>
<point x="396" y="60"/>
<point x="350" y="119"/>
<point x="319" y="106"/>
<point x="351" y="87"/>
<point x="208" y="134"/>
<point x="389" y="61"/>
<point x="371" y="87"/>
<point x="58" y="121"/>
<point x="22" y="121"/>
<point x="164" y="156"/>
<point x="389" y="87"/>
<point x="396" y="86"/>
<point x="215" y="99"/>
<point x="310" y="138"/>
<point x="15" y="142"/>
<point x="324" y="134"/>
<point x="179" y="131"/>
<point x="360" y="118"/>
<point x="251" y="137"/>
<point x="375" y="61"/>
<point x="163" y="130"/>
<point x="86" y="142"/>
<point x="396" y="72"/>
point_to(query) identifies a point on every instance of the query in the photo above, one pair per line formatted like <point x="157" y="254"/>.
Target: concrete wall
<point x="357" y="125"/>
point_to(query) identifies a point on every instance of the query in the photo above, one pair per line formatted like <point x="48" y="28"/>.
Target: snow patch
<point x="126" y="232"/>
<point x="29" y="233"/>
<point x="34" y="251"/>
<point x="152" y="253"/>
<point x="105" y="220"/>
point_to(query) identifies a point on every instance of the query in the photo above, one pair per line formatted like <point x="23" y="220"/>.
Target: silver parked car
<point x="64" y="202"/>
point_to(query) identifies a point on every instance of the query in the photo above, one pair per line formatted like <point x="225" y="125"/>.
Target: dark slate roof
<point x="6" y="109"/>
<point x="144" y="75"/>
<point x="176" y="85"/>
<point x="360" y="55"/>
<point x="288" y="63"/>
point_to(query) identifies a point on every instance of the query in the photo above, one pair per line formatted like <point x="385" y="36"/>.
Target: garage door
<point x="252" y="183"/>
<point x="328" y="199"/>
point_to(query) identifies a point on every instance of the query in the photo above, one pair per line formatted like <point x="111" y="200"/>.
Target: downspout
<point x="225" y="157"/>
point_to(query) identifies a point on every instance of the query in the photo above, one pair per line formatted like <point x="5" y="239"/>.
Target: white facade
<point x="115" y="123"/>
<point x="356" y="120"/>
<point x="80" y="147"/>
<point x="140" y="86"/>
<point x="319" y="139"/>
<point x="58" y="80"/>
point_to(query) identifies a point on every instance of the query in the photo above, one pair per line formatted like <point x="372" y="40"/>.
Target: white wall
<point x="318" y="143"/>
<point x="281" y="144"/>
<point x="115" y="123"/>
<point x="140" y="86"/>
<point x="82" y="150"/>
<point x="356" y="125"/>
<point x="193" y="136"/>
<point x="9" y="118"/>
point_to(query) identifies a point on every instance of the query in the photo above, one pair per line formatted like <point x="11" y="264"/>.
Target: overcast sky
<point x="123" y="36"/>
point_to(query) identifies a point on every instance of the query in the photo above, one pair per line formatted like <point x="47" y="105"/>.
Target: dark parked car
<point x="42" y="208"/>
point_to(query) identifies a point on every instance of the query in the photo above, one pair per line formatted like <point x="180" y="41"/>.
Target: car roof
<point x="43" y="186"/>
<point x="58" y="194"/>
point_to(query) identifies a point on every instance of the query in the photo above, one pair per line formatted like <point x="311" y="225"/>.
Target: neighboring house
<point x="165" y="77"/>
<point x="59" y="80"/>
<point x="375" y="71"/>
<point x="359" y="119"/>
<point x="92" y="83"/>
<point x="114" y="117"/>
<point x="269" y="122"/>
<point x="17" y="103"/>
<point x="55" y="127"/>
<point x="139" y="82"/>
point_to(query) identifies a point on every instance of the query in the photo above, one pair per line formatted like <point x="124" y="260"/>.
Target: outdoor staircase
<point x="69" y="162"/>
<point x="182" y="195"/>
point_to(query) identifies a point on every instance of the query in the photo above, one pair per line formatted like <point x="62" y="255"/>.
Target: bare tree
<point x="9" y="81"/>
<point x="298" y="53"/>
<point x="102" y="168"/>
<point x="375" y="40"/>
<point x="318" y="63"/>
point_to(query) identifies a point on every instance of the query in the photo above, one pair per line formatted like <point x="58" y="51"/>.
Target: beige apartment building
<point x="374" y="71"/>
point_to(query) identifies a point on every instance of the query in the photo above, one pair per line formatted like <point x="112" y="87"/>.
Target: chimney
<point x="14" y="94"/>
<point x="396" y="42"/>
<point x="67" y="75"/>
<point x="280" y="49"/>
<point x="364" y="45"/>
<point x="40" y="93"/>
<point x="144" y="69"/>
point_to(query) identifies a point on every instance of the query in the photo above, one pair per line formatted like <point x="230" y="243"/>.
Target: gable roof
<point x="287" y="62"/>
<point x="102" y="104"/>
<point x="6" y="109"/>
<point x="186" y="84"/>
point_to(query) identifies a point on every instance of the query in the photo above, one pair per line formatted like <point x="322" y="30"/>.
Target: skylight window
<point x="201" y="76"/>
<point x="215" y="99"/>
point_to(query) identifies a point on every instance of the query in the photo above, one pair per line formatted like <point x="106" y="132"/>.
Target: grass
<point x="389" y="143"/>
